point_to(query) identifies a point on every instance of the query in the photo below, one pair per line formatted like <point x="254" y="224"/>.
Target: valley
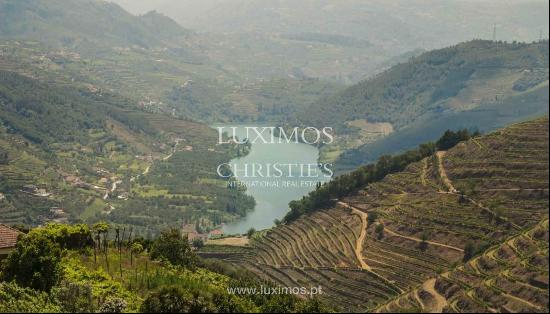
<point x="272" y="194"/>
<point x="444" y="233"/>
<point x="426" y="189"/>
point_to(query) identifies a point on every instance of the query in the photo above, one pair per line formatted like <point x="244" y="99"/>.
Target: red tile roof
<point x="216" y="232"/>
<point x="8" y="236"/>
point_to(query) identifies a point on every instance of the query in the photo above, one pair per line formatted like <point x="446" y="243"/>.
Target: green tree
<point x="35" y="263"/>
<point x="3" y="157"/>
<point x="174" y="299"/>
<point x="469" y="251"/>
<point x="172" y="247"/>
<point x="379" y="231"/>
<point x="135" y="249"/>
<point x="198" y="243"/>
<point x="250" y="232"/>
<point x="424" y="240"/>
<point x="372" y="217"/>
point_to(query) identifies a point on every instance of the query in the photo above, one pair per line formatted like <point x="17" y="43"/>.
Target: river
<point x="272" y="194"/>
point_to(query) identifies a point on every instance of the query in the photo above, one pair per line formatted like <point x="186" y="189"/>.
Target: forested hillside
<point x="463" y="86"/>
<point x="461" y="230"/>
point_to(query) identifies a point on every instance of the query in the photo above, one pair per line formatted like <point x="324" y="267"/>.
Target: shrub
<point x="424" y="237"/>
<point x="113" y="305"/>
<point x="174" y="299"/>
<point x="71" y="237"/>
<point x="471" y="249"/>
<point x="74" y="297"/>
<point x="280" y="303"/>
<point x="103" y="286"/>
<point x="379" y="231"/>
<point x="15" y="299"/>
<point x="314" y="305"/>
<point x="226" y="303"/>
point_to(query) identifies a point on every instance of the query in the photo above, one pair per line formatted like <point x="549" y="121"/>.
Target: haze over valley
<point x="119" y="194"/>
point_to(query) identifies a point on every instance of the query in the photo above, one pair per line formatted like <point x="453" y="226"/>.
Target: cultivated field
<point x="465" y="230"/>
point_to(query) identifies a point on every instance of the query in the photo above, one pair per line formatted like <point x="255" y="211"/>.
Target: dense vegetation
<point x="62" y="268"/>
<point x="45" y="113"/>
<point x="477" y="84"/>
<point x="409" y="90"/>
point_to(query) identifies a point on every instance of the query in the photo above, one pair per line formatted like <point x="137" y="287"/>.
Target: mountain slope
<point x="71" y="154"/>
<point x="451" y="79"/>
<point x="484" y="119"/>
<point x="463" y="230"/>
<point x="465" y="84"/>
<point x="83" y="23"/>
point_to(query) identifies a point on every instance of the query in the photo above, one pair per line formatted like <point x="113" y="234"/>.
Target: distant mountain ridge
<point x="83" y="22"/>
<point x="432" y="82"/>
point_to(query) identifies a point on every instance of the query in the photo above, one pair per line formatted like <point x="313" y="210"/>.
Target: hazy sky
<point x="432" y="20"/>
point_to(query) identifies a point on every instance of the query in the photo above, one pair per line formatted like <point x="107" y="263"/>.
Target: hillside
<point x="463" y="230"/>
<point x="462" y="86"/>
<point x="341" y="41"/>
<point x="156" y="63"/>
<point x="75" y="153"/>
<point x="83" y="24"/>
<point x="484" y="119"/>
<point x="79" y="269"/>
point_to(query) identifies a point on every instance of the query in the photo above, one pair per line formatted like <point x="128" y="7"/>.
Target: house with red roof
<point x="215" y="234"/>
<point x="8" y="240"/>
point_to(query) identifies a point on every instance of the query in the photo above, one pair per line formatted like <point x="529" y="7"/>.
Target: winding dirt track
<point x="439" y="301"/>
<point x="443" y="173"/>
<point x="359" y="244"/>
<point x="361" y="239"/>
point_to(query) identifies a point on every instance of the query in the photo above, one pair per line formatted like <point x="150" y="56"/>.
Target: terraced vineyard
<point x="463" y="230"/>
